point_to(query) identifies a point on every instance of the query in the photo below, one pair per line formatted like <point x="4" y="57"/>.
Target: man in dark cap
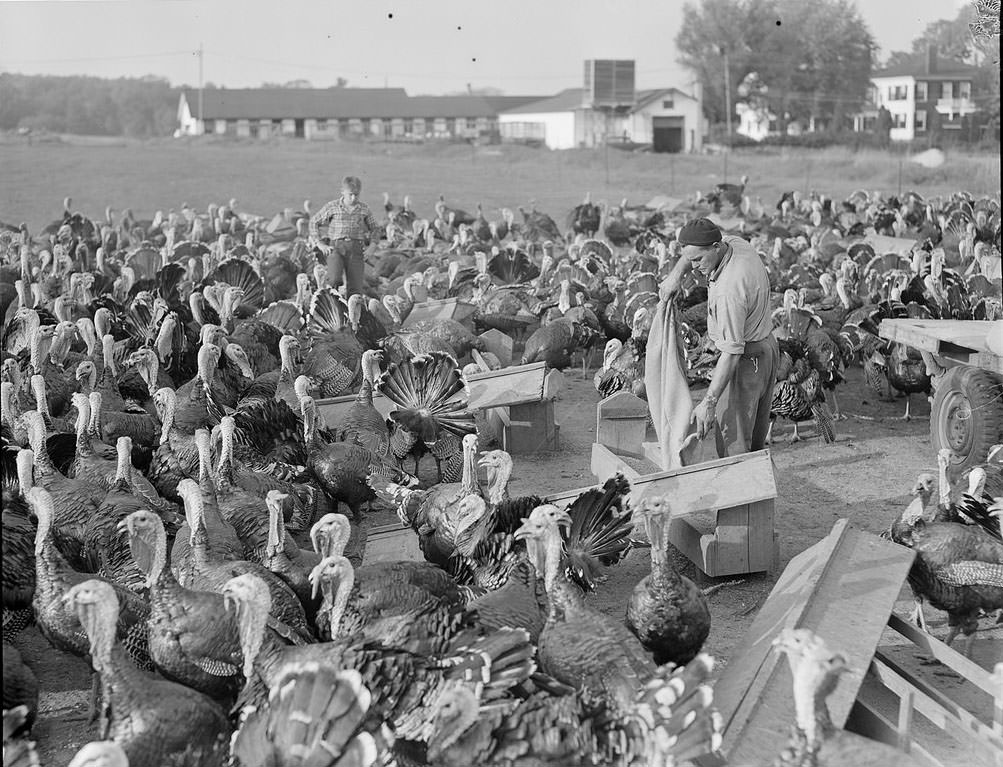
<point x="738" y="322"/>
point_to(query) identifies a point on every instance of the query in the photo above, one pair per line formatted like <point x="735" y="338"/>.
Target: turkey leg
<point x="795" y="437"/>
<point x="907" y="416"/>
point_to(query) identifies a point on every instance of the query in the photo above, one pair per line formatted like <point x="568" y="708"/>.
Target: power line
<point x="103" y="58"/>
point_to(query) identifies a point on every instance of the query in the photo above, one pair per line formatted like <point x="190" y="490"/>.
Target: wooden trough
<point x="843" y="588"/>
<point x="518" y="402"/>
<point x="332" y="409"/>
<point x="723" y="510"/>
<point x="441" y="309"/>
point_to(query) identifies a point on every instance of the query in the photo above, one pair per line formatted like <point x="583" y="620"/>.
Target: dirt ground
<point x="864" y="477"/>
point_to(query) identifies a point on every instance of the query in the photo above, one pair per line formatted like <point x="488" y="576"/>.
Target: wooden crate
<point x="442" y="309"/>
<point x="843" y="588"/>
<point x="915" y="694"/>
<point x="738" y="491"/>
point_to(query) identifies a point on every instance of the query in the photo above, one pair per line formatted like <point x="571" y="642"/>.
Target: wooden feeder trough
<point x="518" y="402"/>
<point x="843" y="588"/>
<point x="723" y="510"/>
<point x="442" y="309"/>
<point x="332" y="409"/>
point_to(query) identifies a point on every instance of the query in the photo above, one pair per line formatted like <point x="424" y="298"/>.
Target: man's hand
<point x="704" y="417"/>
<point x="669" y="287"/>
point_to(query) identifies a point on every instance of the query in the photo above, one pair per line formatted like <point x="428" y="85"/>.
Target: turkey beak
<point x="228" y="601"/>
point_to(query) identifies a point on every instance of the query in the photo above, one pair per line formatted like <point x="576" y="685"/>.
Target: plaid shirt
<point x="356" y="222"/>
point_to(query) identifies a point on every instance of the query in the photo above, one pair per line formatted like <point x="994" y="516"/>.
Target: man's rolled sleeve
<point x="730" y="316"/>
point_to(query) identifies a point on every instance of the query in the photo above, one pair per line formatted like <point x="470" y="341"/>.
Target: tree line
<point x="138" y="107"/>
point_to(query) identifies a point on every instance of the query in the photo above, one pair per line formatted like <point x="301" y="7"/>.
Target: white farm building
<point x="667" y="118"/>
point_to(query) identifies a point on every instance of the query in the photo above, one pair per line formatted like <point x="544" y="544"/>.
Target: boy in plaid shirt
<point x="351" y="236"/>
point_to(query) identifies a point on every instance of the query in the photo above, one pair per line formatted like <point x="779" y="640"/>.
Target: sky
<point x="429" y="47"/>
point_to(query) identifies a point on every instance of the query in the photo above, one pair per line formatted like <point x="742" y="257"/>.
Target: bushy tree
<point x="813" y="59"/>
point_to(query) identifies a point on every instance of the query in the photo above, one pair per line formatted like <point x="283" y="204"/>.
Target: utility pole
<point x="727" y="93"/>
<point x="201" y="58"/>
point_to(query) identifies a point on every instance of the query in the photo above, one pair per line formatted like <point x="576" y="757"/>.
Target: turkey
<point x="152" y="719"/>
<point x="797" y="394"/>
<point x="958" y="569"/>
<point x="815" y="741"/>
<point x="315" y="715"/>
<point x="585" y="218"/>
<point x="666" y="612"/>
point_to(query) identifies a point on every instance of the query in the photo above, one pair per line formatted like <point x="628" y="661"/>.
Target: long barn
<point x="319" y="113"/>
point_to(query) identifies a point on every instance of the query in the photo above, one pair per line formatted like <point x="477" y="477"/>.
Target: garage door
<point x="667" y="134"/>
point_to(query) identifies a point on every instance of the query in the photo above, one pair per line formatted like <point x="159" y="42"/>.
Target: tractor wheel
<point x="967" y="416"/>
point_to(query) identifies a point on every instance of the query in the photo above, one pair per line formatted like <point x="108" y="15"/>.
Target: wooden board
<point x="514" y="385"/>
<point x="843" y="588"/>
<point x="883" y="244"/>
<point x="392" y="543"/>
<point x="621" y="423"/>
<point x="441" y="309"/>
<point x="963" y="341"/>
<point x="333" y="409"/>
<point x="499" y="344"/>
<point x="718" y="484"/>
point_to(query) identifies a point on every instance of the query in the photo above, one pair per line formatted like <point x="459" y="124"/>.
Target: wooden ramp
<point x="843" y="588"/>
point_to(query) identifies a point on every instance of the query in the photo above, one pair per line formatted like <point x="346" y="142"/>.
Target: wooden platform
<point x="883" y="244"/>
<point x="963" y="341"/>
<point x="843" y="588"/>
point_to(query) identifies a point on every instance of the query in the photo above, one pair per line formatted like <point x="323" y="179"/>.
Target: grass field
<point x="266" y="176"/>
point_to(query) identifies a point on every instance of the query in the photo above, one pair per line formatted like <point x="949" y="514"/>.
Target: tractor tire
<point x="967" y="416"/>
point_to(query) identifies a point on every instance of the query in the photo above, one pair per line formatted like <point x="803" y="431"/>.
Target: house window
<point x="921" y="91"/>
<point x="920" y="119"/>
<point x="668" y="104"/>
<point x="898" y="120"/>
<point x="947" y="92"/>
<point x="898" y="93"/>
<point x="471" y="123"/>
<point x="964" y="90"/>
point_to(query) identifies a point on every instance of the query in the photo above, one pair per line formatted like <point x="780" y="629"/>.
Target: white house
<point x="667" y="118"/>
<point x="920" y="95"/>
<point x="755" y="122"/>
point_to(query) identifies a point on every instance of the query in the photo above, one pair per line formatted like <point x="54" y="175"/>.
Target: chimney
<point x="931" y="59"/>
